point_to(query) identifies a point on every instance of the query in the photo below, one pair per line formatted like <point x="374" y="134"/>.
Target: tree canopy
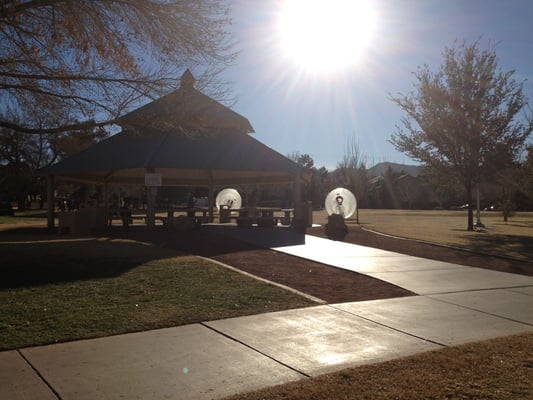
<point x="467" y="120"/>
<point x="70" y="65"/>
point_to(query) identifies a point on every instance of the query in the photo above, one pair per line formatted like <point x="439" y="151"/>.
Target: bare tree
<point x="464" y="121"/>
<point x="353" y="172"/>
<point x="87" y="62"/>
<point x="21" y="155"/>
<point x="313" y="190"/>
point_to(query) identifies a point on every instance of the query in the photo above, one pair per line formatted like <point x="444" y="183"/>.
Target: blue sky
<point x="295" y="111"/>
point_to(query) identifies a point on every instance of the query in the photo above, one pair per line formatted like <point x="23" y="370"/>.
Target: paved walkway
<point x="456" y="304"/>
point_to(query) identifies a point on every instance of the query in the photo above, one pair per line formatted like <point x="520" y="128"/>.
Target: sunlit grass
<point x="514" y="238"/>
<point x="24" y="218"/>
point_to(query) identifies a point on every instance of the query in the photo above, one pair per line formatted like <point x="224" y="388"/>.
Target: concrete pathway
<point x="218" y="358"/>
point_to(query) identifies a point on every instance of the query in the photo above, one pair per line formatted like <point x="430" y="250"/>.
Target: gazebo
<point x="182" y="139"/>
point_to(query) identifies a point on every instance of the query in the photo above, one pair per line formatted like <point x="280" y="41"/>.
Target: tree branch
<point x="89" y="124"/>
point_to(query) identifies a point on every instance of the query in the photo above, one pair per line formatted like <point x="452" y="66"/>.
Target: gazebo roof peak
<point x="185" y="110"/>
<point x="187" y="80"/>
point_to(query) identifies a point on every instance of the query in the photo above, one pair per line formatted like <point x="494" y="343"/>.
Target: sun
<point x="326" y="35"/>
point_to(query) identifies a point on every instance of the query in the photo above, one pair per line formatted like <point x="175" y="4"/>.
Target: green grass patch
<point x="67" y="289"/>
<point x="21" y="218"/>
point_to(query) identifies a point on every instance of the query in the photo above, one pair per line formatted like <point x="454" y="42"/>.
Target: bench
<point x="127" y="218"/>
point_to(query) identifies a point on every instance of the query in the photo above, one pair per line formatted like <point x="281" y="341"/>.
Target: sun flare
<point x="326" y="35"/>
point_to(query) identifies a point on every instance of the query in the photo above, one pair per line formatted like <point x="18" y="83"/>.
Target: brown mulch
<point x="325" y="282"/>
<point x="330" y="284"/>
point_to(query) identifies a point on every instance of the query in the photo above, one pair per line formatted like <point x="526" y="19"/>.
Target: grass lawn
<point x="56" y="289"/>
<point x="24" y="218"/>
<point x="61" y="288"/>
<point x="497" y="369"/>
<point x="512" y="239"/>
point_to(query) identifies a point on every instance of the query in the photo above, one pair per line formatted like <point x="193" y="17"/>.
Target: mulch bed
<point x="330" y="284"/>
<point x="325" y="282"/>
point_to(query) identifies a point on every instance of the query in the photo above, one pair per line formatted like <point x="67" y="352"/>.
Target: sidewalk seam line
<point x="509" y="288"/>
<point x="389" y="327"/>
<point x="256" y="350"/>
<point x="54" y="392"/>
<point x="480" y="311"/>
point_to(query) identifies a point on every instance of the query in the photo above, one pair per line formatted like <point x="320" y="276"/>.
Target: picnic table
<point x="200" y="214"/>
<point x="262" y="216"/>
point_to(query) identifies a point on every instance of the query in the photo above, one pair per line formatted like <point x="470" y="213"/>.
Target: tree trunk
<point x="21" y="201"/>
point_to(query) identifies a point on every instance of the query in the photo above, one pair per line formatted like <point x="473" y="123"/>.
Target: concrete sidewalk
<point x="215" y="359"/>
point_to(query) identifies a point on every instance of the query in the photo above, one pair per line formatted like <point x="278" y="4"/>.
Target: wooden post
<point x="151" y="192"/>
<point x="211" y="201"/>
<point x="297" y="198"/>
<point x="211" y="196"/>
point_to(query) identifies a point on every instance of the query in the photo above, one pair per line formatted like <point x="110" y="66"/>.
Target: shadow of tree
<point x="521" y="224"/>
<point x="509" y="245"/>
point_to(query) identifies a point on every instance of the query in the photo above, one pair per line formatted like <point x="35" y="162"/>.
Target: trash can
<point x="336" y="228"/>
<point x="224" y="214"/>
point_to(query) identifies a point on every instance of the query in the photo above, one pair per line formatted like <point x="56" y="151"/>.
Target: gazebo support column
<point x="151" y="192"/>
<point x="211" y="196"/>
<point x="297" y="199"/>
<point x="303" y="214"/>
<point x="211" y="201"/>
<point x="50" y="201"/>
<point x="152" y="181"/>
